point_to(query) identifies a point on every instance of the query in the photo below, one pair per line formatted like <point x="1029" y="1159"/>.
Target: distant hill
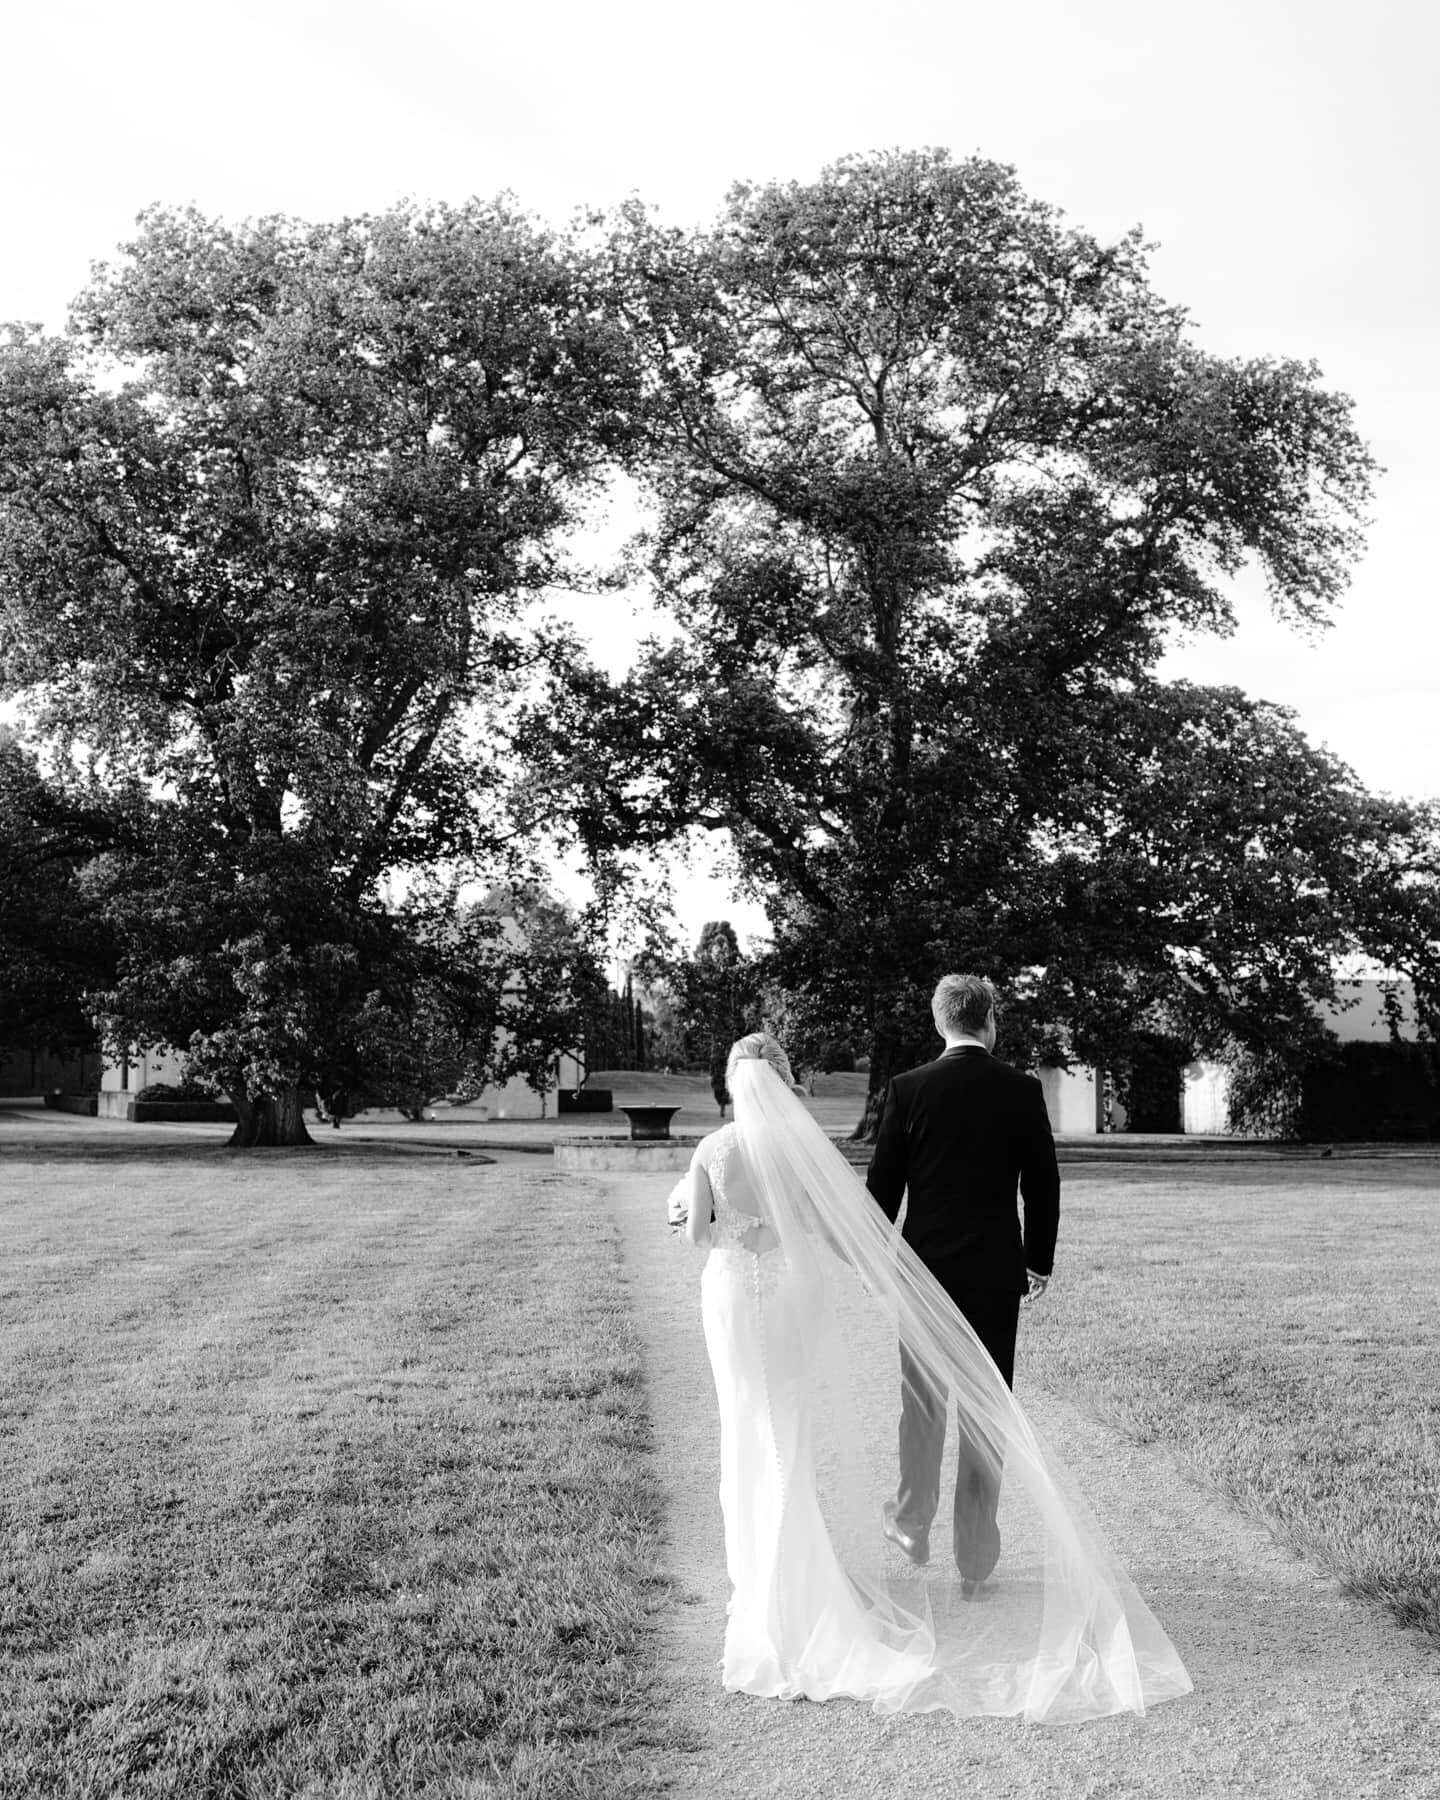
<point x="837" y="1103"/>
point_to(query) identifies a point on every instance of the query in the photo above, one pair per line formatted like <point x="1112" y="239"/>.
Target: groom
<point x="961" y="1134"/>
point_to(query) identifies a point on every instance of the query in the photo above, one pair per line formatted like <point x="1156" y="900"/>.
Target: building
<point x="1078" y="1099"/>
<point x="121" y="1079"/>
<point x="1074" y="1099"/>
<point x="1357" y="1015"/>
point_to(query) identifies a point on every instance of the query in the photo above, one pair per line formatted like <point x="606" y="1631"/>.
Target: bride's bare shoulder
<point x="714" y="1141"/>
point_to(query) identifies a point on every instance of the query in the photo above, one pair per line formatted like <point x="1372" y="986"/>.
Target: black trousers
<point x="994" y="1317"/>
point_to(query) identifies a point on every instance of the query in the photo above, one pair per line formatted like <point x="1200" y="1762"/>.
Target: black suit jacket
<point x="962" y="1133"/>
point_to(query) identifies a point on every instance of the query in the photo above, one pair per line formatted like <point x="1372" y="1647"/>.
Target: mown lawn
<point x="321" y="1473"/>
<point x="1278" y="1328"/>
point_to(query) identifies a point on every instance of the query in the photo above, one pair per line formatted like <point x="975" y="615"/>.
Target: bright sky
<point x="1283" y="153"/>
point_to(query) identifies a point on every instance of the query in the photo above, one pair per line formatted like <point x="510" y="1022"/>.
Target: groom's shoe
<point x="915" y="1545"/>
<point x="977" y="1550"/>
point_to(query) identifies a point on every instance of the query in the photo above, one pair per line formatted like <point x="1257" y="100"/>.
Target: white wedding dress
<point x="795" y="1624"/>
<point x="807" y="1295"/>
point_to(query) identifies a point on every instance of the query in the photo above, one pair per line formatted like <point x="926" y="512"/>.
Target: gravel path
<point x="1299" y="1691"/>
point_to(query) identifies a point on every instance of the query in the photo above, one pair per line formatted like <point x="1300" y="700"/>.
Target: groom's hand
<point x="1037" y="1286"/>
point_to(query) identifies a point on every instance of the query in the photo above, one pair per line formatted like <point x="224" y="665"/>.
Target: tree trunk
<point x="890" y="1055"/>
<point x="868" y="1124"/>
<point x="269" y="1121"/>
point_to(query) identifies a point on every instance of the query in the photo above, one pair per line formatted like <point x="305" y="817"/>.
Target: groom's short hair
<point x="962" y="1003"/>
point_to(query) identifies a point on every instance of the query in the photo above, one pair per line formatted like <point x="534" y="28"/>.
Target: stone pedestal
<point x="649" y="1124"/>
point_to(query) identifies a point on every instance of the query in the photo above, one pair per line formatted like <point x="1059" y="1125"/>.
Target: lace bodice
<point x="731" y="1224"/>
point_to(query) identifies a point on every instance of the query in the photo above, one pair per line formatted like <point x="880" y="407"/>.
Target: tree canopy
<point x="935" y="480"/>
<point x="269" y="522"/>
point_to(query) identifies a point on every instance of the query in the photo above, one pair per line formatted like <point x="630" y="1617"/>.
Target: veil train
<point x="1060" y="1633"/>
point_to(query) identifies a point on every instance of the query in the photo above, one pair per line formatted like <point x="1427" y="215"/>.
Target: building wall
<point x="516" y="1099"/>
<point x="140" y="1069"/>
<point x="1070" y="1099"/>
<point x="1204" y="1102"/>
<point x="1358" y="1014"/>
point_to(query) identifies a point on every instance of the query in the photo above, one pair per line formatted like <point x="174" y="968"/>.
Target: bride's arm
<point x="702" y="1205"/>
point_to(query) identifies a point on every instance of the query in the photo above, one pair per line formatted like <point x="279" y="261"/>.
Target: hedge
<point x="1373" y="1092"/>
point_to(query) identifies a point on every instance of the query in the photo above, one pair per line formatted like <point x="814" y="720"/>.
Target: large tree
<point x="935" y="480"/>
<point x="54" y="945"/>
<point x="271" y="517"/>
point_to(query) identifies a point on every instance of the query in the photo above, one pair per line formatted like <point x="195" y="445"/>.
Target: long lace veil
<point x="1060" y="1633"/>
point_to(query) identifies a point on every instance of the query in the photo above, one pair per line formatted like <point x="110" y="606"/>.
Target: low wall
<point x="657" y="1154"/>
<point x="120" y="1105"/>
<point x="85" y="1104"/>
<point x="620" y="1153"/>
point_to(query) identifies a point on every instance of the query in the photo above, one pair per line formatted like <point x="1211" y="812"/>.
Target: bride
<point x="808" y="1296"/>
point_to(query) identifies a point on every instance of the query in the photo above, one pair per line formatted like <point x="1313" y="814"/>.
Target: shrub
<point x="1350" y="1092"/>
<point x="1264" y="1095"/>
<point x="188" y="1089"/>
<point x="1150" y="1081"/>
<point x="1372" y="1092"/>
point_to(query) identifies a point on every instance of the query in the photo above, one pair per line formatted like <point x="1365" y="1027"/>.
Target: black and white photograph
<point x="719" y="901"/>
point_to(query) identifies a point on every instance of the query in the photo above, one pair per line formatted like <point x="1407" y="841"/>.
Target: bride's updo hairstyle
<point x="759" y="1046"/>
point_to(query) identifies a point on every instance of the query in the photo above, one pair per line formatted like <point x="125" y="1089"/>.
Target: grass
<point x="329" y="1474"/>
<point x="1277" y="1329"/>
<point x="309" y="1486"/>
